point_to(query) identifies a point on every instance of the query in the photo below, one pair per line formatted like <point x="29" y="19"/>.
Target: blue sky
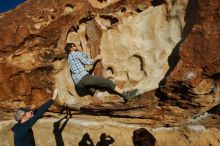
<point x="6" y="5"/>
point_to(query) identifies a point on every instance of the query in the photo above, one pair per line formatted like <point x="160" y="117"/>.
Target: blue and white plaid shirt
<point x="77" y="61"/>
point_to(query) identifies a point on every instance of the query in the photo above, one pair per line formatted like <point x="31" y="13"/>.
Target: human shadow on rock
<point x="58" y="129"/>
<point x="86" y="140"/>
<point x="105" y="140"/>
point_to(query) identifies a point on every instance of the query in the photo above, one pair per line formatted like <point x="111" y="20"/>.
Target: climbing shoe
<point x="127" y="95"/>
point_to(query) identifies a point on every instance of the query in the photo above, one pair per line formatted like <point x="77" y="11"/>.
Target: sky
<point x="6" y="5"/>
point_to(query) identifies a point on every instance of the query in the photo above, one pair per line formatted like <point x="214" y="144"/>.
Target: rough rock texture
<point x="195" y="78"/>
<point x="32" y="55"/>
<point x="199" y="50"/>
<point x="169" y="50"/>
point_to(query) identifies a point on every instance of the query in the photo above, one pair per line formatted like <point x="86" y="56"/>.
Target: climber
<point x="26" y="118"/>
<point x="83" y="80"/>
<point x="142" y="137"/>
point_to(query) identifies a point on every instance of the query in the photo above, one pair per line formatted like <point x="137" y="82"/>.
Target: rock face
<point x="142" y="62"/>
<point x="199" y="52"/>
<point x="169" y="50"/>
<point x="134" y="51"/>
<point x="201" y="59"/>
<point x="198" y="68"/>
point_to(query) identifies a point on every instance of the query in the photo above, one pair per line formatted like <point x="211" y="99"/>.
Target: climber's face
<point x="74" y="48"/>
<point x="26" y="116"/>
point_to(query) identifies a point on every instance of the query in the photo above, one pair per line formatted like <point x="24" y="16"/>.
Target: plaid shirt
<point x="77" y="61"/>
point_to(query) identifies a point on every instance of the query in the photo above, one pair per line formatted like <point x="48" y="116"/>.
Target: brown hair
<point x="142" y="137"/>
<point x="68" y="47"/>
